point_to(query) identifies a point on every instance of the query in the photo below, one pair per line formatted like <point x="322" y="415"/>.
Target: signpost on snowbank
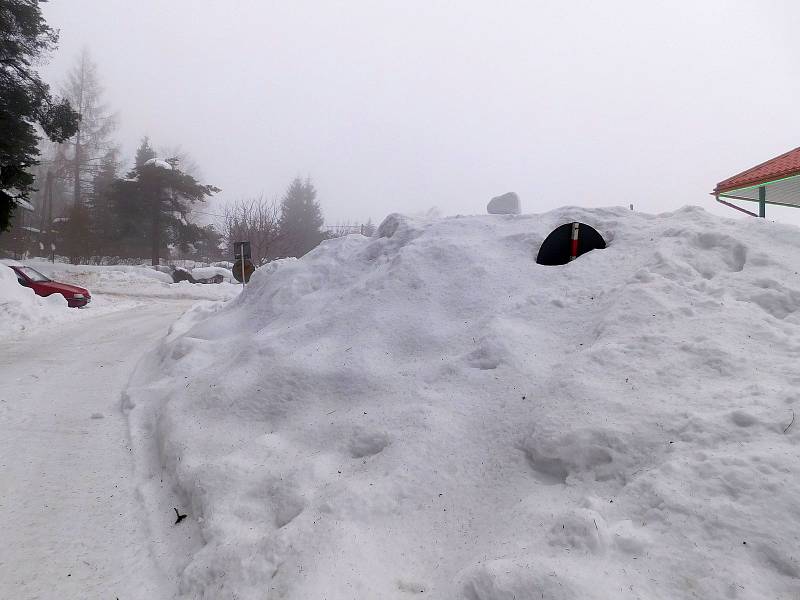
<point x="242" y="267"/>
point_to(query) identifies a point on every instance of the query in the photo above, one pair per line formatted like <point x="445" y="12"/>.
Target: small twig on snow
<point x="179" y="515"/>
<point x="790" y="424"/>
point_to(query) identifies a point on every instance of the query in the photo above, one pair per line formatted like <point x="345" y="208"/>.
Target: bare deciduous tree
<point x="254" y="220"/>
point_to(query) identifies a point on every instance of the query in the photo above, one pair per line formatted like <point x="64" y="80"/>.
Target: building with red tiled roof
<point x="776" y="181"/>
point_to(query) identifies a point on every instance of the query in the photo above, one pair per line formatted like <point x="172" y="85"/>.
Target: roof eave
<point x="756" y="167"/>
<point x="748" y="185"/>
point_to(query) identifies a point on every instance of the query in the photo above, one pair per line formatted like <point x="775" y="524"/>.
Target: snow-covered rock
<point x="507" y="204"/>
<point x="429" y="412"/>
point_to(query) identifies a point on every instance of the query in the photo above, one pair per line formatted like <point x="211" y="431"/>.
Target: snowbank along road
<point x="429" y="413"/>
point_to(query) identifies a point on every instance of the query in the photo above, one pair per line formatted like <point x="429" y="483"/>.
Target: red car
<point x="44" y="286"/>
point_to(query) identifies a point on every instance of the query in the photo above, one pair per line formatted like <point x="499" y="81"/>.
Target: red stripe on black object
<point x="573" y="253"/>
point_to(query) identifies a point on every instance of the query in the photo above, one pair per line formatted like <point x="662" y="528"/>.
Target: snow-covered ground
<point x="138" y="281"/>
<point x="71" y="521"/>
<point x="113" y="288"/>
<point x="425" y="413"/>
<point x="429" y="413"/>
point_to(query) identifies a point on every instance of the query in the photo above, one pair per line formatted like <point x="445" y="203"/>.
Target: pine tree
<point x="130" y="230"/>
<point x="200" y="243"/>
<point x="75" y="234"/>
<point x="99" y="202"/>
<point x="143" y="153"/>
<point x="301" y="219"/>
<point x="25" y="100"/>
<point x="153" y="202"/>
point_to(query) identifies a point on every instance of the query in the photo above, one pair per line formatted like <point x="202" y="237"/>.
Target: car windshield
<point x="33" y="274"/>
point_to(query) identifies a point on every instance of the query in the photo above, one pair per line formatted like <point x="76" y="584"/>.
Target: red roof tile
<point x="776" y="168"/>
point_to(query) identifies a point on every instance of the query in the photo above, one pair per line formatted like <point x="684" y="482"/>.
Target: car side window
<point x="22" y="281"/>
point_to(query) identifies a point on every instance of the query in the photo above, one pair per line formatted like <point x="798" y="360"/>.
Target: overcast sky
<point x="404" y="106"/>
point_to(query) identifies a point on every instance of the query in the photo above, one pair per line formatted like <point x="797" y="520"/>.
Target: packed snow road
<point x="69" y="516"/>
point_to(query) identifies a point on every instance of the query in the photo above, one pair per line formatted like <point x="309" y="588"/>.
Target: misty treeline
<point x="290" y="227"/>
<point x="66" y="191"/>
<point x="86" y="208"/>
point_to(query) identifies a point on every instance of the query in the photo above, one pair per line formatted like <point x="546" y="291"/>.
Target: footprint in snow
<point x="364" y="443"/>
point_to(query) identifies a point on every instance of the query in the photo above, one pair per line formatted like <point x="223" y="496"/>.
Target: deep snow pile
<point x="429" y="412"/>
<point x="21" y="309"/>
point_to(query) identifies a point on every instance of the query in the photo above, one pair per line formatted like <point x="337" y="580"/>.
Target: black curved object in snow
<point x="557" y="247"/>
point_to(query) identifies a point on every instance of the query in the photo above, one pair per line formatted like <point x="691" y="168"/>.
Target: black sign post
<point x="243" y="267"/>
<point x="241" y="250"/>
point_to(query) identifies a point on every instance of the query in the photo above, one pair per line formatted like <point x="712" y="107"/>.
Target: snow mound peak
<point x="429" y="411"/>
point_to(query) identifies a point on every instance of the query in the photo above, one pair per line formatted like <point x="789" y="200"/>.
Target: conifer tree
<point x="301" y="219"/>
<point x="75" y="234"/>
<point x="101" y="209"/>
<point x="152" y="203"/>
<point x="25" y="101"/>
<point x="143" y="153"/>
<point x="130" y="213"/>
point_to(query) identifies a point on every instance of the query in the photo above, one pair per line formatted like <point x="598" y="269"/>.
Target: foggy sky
<point x="404" y="106"/>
